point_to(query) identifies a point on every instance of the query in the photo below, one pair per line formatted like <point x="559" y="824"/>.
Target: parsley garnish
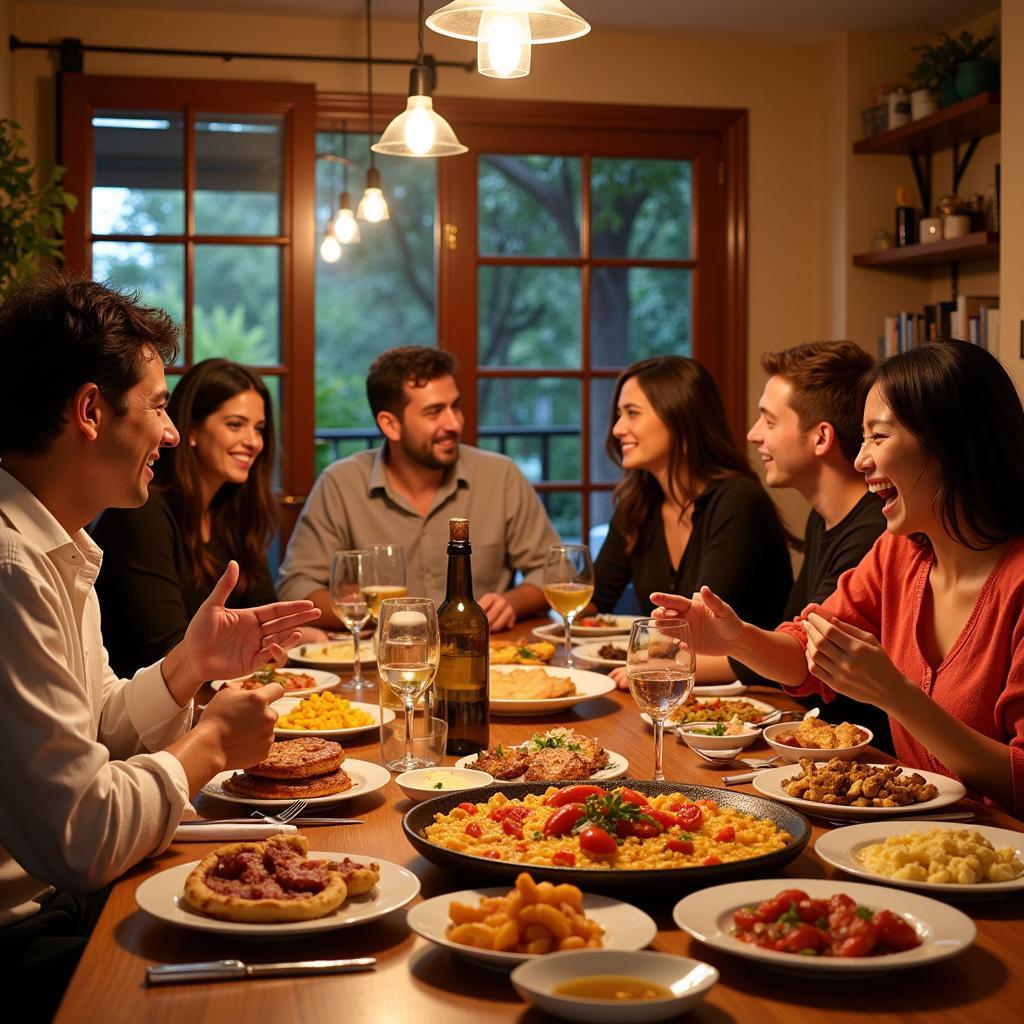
<point x="864" y="913"/>
<point x="608" y="810"/>
<point x="438" y="785"/>
<point x="790" y="916"/>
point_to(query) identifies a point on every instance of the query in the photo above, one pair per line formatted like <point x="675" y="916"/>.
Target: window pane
<point x="139" y="173"/>
<point x="528" y="316"/>
<point x="156" y="271"/>
<point x="378" y="295"/>
<point x="641" y="209"/>
<point x="637" y="312"/>
<point x="600" y="517"/>
<point x="237" y="310"/>
<point x="565" y="510"/>
<point x="602" y="468"/>
<point x="239" y="161"/>
<point x="529" y="205"/>
<point x="535" y="422"/>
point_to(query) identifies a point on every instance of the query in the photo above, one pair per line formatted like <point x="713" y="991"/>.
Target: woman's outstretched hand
<point x="714" y="626"/>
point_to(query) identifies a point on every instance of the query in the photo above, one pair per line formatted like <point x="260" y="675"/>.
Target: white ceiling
<point x="813" y="16"/>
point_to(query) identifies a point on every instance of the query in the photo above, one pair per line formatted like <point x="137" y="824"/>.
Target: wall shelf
<point x="972" y="248"/>
<point x="960" y="123"/>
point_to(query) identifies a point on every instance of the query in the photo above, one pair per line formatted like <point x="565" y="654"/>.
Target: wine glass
<point x="408" y="653"/>
<point x="348" y="570"/>
<point x="660" y="666"/>
<point x="568" y="585"/>
<point x="386" y="577"/>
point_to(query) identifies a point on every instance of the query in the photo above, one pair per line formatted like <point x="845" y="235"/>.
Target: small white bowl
<point x="793" y="754"/>
<point x="689" y="981"/>
<point x="422" y="783"/>
<point x="694" y="735"/>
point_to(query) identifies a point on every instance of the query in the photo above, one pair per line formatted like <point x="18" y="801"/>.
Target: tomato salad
<point x="792" y="922"/>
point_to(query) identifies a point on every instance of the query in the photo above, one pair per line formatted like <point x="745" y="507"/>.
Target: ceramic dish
<point x="366" y="778"/>
<point x="841" y="848"/>
<point x="555" y="631"/>
<point x="286" y="704"/>
<point x="793" y="754"/>
<point x="425" y="783"/>
<point x="323" y="681"/>
<point x="689" y="981"/>
<point x="943" y="930"/>
<point x="162" y="895"/>
<point x="617" y="767"/>
<point x="419" y="817"/>
<point x="587" y="653"/>
<point x="333" y="652"/>
<point x="769" y="783"/>
<point x="697" y="736"/>
<point x="625" y="927"/>
<point x="588" y="685"/>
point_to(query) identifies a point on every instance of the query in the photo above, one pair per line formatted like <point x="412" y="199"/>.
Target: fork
<point x="729" y="760"/>
<point x="286" y="815"/>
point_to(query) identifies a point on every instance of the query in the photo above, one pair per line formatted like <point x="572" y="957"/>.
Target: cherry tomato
<point x="473" y="829"/>
<point x="854" y="936"/>
<point x="801" y="937"/>
<point x="563" y="859"/>
<point x="812" y="910"/>
<point x="562" y="821"/>
<point x="522" y="847"/>
<point x="679" y="845"/>
<point x="631" y="796"/>
<point x="512" y="827"/>
<point x="745" y="918"/>
<point x="727" y="835"/>
<point x="690" y="817"/>
<point x="663" y="818"/>
<point x="894" y="931"/>
<point x="773" y="908"/>
<point x="712" y="860"/>
<point x="640" y="829"/>
<point x="469" y="808"/>
<point x="596" y="841"/>
<point x="573" y="795"/>
<point x="491" y="855"/>
<point x="513" y="811"/>
<point x="840" y="901"/>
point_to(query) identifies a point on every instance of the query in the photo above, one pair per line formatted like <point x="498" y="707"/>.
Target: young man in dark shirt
<point x="808" y="433"/>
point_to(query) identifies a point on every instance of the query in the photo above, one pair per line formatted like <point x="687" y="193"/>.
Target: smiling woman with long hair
<point x="930" y="626"/>
<point x="689" y="510"/>
<point x="211" y="501"/>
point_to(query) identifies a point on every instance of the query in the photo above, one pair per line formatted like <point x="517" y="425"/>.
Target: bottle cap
<point x="458" y="529"/>
<point x="901" y="196"/>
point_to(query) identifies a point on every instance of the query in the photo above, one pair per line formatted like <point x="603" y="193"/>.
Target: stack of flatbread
<point x="529" y="684"/>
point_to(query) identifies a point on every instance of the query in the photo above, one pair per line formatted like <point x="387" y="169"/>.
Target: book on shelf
<point x="969" y="307"/>
<point x="973" y="318"/>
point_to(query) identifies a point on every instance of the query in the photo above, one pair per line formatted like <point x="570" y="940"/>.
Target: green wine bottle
<point x="461" y="689"/>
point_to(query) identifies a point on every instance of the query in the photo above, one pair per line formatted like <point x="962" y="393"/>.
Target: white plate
<point x="588" y="685"/>
<point x="333" y="652"/>
<point x="163" y="896"/>
<point x="769" y="783"/>
<point x="324" y="680"/>
<point x="366" y="778"/>
<point x="617" y="768"/>
<point x="625" y="927"/>
<point x="759" y="704"/>
<point x="841" y="847"/>
<point x="556" y="630"/>
<point x="943" y="930"/>
<point x="733" y="689"/>
<point x="286" y="704"/>
<point x="588" y="653"/>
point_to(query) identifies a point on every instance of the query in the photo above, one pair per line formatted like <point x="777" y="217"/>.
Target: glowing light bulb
<point x="345" y="228"/>
<point x="330" y="248"/>
<point x="372" y="206"/>
<point x="419" y="131"/>
<point x="503" y="44"/>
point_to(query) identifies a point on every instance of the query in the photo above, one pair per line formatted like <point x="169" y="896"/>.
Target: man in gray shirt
<point x="405" y="492"/>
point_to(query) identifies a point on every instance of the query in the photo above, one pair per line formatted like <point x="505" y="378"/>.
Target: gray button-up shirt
<point x="353" y="506"/>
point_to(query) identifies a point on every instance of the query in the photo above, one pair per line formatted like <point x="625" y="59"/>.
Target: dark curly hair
<point x="410" y="364"/>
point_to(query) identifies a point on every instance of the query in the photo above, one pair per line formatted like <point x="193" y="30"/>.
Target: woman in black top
<point x="211" y="501"/>
<point x="689" y="508"/>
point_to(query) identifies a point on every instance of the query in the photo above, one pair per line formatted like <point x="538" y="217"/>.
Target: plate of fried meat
<point x="553" y="756"/>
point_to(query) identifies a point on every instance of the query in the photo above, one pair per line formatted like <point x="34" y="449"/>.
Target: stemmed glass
<point x="348" y="573"/>
<point x="568" y="585"/>
<point x="660" y="666"/>
<point x="386" y="577"/>
<point x="408" y="653"/>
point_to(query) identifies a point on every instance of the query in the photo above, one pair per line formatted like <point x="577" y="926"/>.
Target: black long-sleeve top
<point x="147" y="588"/>
<point x="736" y="547"/>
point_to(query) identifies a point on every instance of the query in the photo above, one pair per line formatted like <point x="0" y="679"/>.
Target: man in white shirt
<point x="98" y="770"/>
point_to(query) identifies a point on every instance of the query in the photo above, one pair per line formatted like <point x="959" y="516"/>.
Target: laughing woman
<point x="930" y="626"/>
<point x="211" y="501"/>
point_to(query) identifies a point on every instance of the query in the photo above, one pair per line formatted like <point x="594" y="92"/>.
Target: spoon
<point x="727" y="758"/>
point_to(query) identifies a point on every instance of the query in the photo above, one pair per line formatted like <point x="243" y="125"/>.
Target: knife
<point x="236" y="970"/>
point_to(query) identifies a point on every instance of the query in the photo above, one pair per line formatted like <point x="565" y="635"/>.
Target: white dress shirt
<point x="85" y="792"/>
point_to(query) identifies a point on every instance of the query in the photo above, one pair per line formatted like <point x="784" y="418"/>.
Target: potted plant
<point x="957" y="67"/>
<point x="30" y="220"/>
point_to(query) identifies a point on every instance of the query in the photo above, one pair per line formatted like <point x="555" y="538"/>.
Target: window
<point x="197" y="195"/>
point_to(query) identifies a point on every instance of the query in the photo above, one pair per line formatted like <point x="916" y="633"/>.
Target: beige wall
<point x="6" y="59"/>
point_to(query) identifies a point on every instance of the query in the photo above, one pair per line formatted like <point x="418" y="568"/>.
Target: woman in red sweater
<point x="930" y="626"/>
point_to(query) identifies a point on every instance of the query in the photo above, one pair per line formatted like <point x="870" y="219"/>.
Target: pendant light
<point x="373" y="207"/>
<point x="330" y="247"/>
<point x="504" y="30"/>
<point x="345" y="227"/>
<point x="419" y="130"/>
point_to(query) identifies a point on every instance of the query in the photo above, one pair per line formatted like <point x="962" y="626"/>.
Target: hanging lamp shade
<point x="550" y="21"/>
<point x="419" y="131"/>
<point x="330" y="247"/>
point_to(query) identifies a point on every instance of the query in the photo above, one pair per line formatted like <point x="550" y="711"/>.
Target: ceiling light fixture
<point x="373" y="206"/>
<point x="504" y="30"/>
<point x="419" y="130"/>
<point x="345" y="226"/>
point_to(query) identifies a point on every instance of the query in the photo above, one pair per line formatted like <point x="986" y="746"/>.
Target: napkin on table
<point x="225" y="831"/>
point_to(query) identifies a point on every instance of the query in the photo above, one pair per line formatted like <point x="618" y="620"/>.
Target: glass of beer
<point x="408" y="653"/>
<point x="348" y="570"/>
<point x="386" y="577"/>
<point x="568" y="585"/>
<point x="660" y="667"/>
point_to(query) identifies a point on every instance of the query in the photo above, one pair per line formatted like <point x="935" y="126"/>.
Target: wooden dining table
<point x="416" y="981"/>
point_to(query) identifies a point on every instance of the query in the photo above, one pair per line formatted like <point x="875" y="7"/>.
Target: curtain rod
<point x="71" y="51"/>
